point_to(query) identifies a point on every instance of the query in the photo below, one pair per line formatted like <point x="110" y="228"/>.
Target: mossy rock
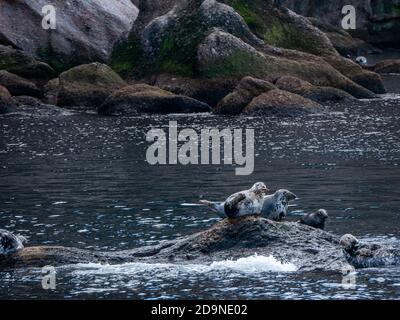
<point x="87" y="85"/>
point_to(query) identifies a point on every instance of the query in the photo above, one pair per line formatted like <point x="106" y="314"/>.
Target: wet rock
<point x="18" y="86"/>
<point x="30" y="106"/>
<point x="24" y="65"/>
<point x="140" y="98"/>
<point x="387" y="66"/>
<point x="7" y="103"/>
<point x="51" y="90"/>
<point x="209" y="91"/>
<point x="86" y="31"/>
<point x="282" y="104"/>
<point x="87" y="85"/>
<point x="309" y="91"/>
<point x="342" y="41"/>
<point x="247" y="89"/>
<point x="305" y="247"/>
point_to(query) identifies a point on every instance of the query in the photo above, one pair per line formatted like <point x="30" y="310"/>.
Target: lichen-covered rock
<point x="18" y="86"/>
<point x="387" y="66"/>
<point x="24" y="65"/>
<point x="87" y="85"/>
<point x="309" y="91"/>
<point x="281" y="104"/>
<point x="86" y="31"/>
<point x="7" y="103"/>
<point x="247" y="89"/>
<point x="140" y="98"/>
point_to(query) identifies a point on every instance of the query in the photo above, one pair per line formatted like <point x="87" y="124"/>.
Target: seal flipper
<point x="231" y="205"/>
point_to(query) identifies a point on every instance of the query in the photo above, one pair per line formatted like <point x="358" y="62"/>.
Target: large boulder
<point x="139" y="98"/>
<point x="309" y="91"/>
<point x="281" y="104"/>
<point x="7" y="103"/>
<point x="247" y="89"/>
<point x="223" y="55"/>
<point x="209" y="91"/>
<point x="85" y="31"/>
<point x="87" y="85"/>
<point x="23" y="64"/>
<point x="18" y="86"/>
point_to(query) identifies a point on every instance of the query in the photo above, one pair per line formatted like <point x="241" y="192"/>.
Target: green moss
<point x="238" y="64"/>
<point x="125" y="56"/>
<point x="255" y="21"/>
<point x="58" y="63"/>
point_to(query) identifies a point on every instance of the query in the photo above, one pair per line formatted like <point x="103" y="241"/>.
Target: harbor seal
<point x="275" y="206"/>
<point x="10" y="243"/>
<point x="362" y="60"/>
<point x="243" y="203"/>
<point x="315" y="219"/>
<point x="365" y="255"/>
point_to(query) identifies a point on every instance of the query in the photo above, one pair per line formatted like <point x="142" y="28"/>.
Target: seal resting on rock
<point x="10" y="243"/>
<point x="315" y="219"/>
<point x="364" y="255"/>
<point x="243" y="203"/>
<point x="275" y="206"/>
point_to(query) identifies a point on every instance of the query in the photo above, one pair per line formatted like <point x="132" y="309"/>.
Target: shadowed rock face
<point x="307" y="248"/>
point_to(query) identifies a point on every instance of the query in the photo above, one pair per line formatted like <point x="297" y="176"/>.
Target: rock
<point x="247" y="89"/>
<point x="18" y="86"/>
<point x="309" y="91"/>
<point x="342" y="41"/>
<point x="307" y="248"/>
<point x="139" y="98"/>
<point x="170" y="41"/>
<point x="377" y="21"/>
<point x="24" y="65"/>
<point x="387" y="66"/>
<point x="209" y="91"/>
<point x="51" y="90"/>
<point x="280" y="103"/>
<point x="7" y="103"/>
<point x="36" y="108"/>
<point x="86" y="31"/>
<point x="365" y="255"/>
<point x="87" y="85"/>
<point x="224" y="55"/>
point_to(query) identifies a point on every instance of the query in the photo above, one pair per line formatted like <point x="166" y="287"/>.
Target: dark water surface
<point x="83" y="181"/>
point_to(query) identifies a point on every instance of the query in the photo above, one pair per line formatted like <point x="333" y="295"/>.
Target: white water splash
<point x="249" y="265"/>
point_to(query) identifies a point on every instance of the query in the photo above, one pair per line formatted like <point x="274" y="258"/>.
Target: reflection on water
<point x="82" y="181"/>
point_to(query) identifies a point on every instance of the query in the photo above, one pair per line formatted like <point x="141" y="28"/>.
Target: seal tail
<point x="214" y="206"/>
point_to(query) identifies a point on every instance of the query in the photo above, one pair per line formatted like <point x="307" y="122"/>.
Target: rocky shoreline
<point x="309" y="249"/>
<point x="188" y="56"/>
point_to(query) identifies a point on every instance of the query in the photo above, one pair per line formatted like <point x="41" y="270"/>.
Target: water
<point x="82" y="181"/>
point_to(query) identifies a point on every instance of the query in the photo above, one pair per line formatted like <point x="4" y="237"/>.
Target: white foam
<point x="251" y="265"/>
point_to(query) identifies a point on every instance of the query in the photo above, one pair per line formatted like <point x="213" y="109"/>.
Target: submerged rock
<point x="282" y="104"/>
<point x="248" y="88"/>
<point x="134" y="99"/>
<point x="7" y="103"/>
<point x="18" y="86"/>
<point x="87" y="85"/>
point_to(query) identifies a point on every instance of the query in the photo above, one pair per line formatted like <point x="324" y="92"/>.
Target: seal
<point x="366" y="255"/>
<point x="315" y="219"/>
<point x="10" y="243"/>
<point x="240" y="204"/>
<point x="362" y="60"/>
<point x="275" y="206"/>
